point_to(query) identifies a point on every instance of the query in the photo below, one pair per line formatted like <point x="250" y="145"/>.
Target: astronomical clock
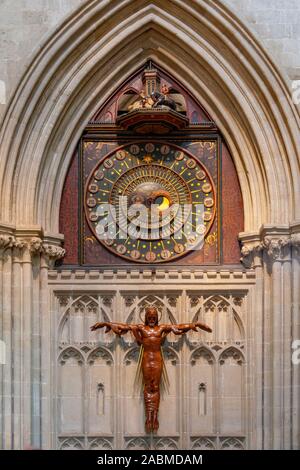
<point x="151" y="182"/>
<point x="166" y="192"/>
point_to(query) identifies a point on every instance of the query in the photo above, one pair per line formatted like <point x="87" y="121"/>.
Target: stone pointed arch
<point x="69" y="352"/>
<point x="204" y="352"/>
<point x="73" y="73"/>
<point x="100" y="352"/>
<point x="233" y="352"/>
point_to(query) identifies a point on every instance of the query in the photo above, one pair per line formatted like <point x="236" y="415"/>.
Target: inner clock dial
<point x="149" y="198"/>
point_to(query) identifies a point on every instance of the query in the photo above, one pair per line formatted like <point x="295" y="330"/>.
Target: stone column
<point x="35" y="247"/>
<point x="49" y="255"/>
<point x="17" y="386"/>
<point x="25" y="256"/>
<point x="252" y="257"/>
<point x="277" y="301"/>
<point x="6" y="243"/>
<point x="278" y="259"/>
<point x="26" y="346"/>
<point x="296" y="337"/>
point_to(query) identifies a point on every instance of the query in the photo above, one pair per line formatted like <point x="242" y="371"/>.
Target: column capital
<point x="251" y="249"/>
<point x="277" y="249"/>
<point x="295" y="241"/>
<point x="6" y="241"/>
<point x="51" y="253"/>
<point x="295" y="238"/>
<point x="35" y="245"/>
<point x="273" y="241"/>
<point x="29" y="242"/>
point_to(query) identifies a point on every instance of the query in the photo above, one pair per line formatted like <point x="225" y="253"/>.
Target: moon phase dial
<point x="150" y="202"/>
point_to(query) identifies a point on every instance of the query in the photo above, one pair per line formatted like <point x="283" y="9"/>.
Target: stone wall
<point x="276" y="24"/>
<point x="25" y="24"/>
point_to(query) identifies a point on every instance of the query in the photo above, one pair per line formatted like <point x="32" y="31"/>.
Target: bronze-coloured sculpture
<point x="157" y="99"/>
<point x="151" y="336"/>
<point x="143" y="102"/>
<point x="162" y="100"/>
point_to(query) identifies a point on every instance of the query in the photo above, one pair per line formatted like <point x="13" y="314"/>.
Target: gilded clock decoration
<point x="93" y="216"/>
<point x="135" y="254"/>
<point x="152" y="202"/>
<point x="108" y="163"/>
<point x="99" y="175"/>
<point x="207" y="216"/>
<point x="208" y="202"/>
<point x="191" y="163"/>
<point x="200" y="175"/>
<point x="164" y="149"/>
<point x="206" y="188"/>
<point x="150" y="147"/>
<point x="93" y="188"/>
<point x="134" y="149"/>
<point x="121" y="155"/>
<point x="179" y="156"/>
<point x="179" y="248"/>
<point x="91" y="202"/>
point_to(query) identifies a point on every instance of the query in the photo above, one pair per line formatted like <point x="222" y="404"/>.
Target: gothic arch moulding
<point x="82" y="63"/>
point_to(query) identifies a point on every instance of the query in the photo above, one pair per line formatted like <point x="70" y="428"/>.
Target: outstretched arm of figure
<point x="137" y="334"/>
<point x="180" y="329"/>
<point x="184" y="327"/>
<point x="117" y="328"/>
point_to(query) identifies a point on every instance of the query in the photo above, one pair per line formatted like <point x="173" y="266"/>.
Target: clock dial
<point x="150" y="202"/>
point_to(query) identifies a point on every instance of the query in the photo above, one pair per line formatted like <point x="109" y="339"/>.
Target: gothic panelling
<point x="203" y="443"/>
<point x="85" y="381"/>
<point x="221" y="312"/>
<point x="217" y="371"/>
<point x="78" y="313"/>
<point x="137" y="444"/>
<point x="99" y="396"/>
<point x="202" y="374"/>
<point x="71" y="444"/>
<point x="100" y="444"/>
<point x="100" y="391"/>
<point x="155" y="443"/>
<point x="232" y="443"/>
<point x="220" y="443"/>
<point x="71" y="391"/>
<point x="231" y="390"/>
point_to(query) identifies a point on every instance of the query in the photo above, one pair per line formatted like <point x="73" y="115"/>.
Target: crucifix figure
<point x="151" y="336"/>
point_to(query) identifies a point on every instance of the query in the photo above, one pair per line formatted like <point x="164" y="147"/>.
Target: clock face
<point x="150" y="202"/>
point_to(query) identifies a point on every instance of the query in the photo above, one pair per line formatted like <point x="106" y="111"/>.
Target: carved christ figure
<point x="151" y="336"/>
